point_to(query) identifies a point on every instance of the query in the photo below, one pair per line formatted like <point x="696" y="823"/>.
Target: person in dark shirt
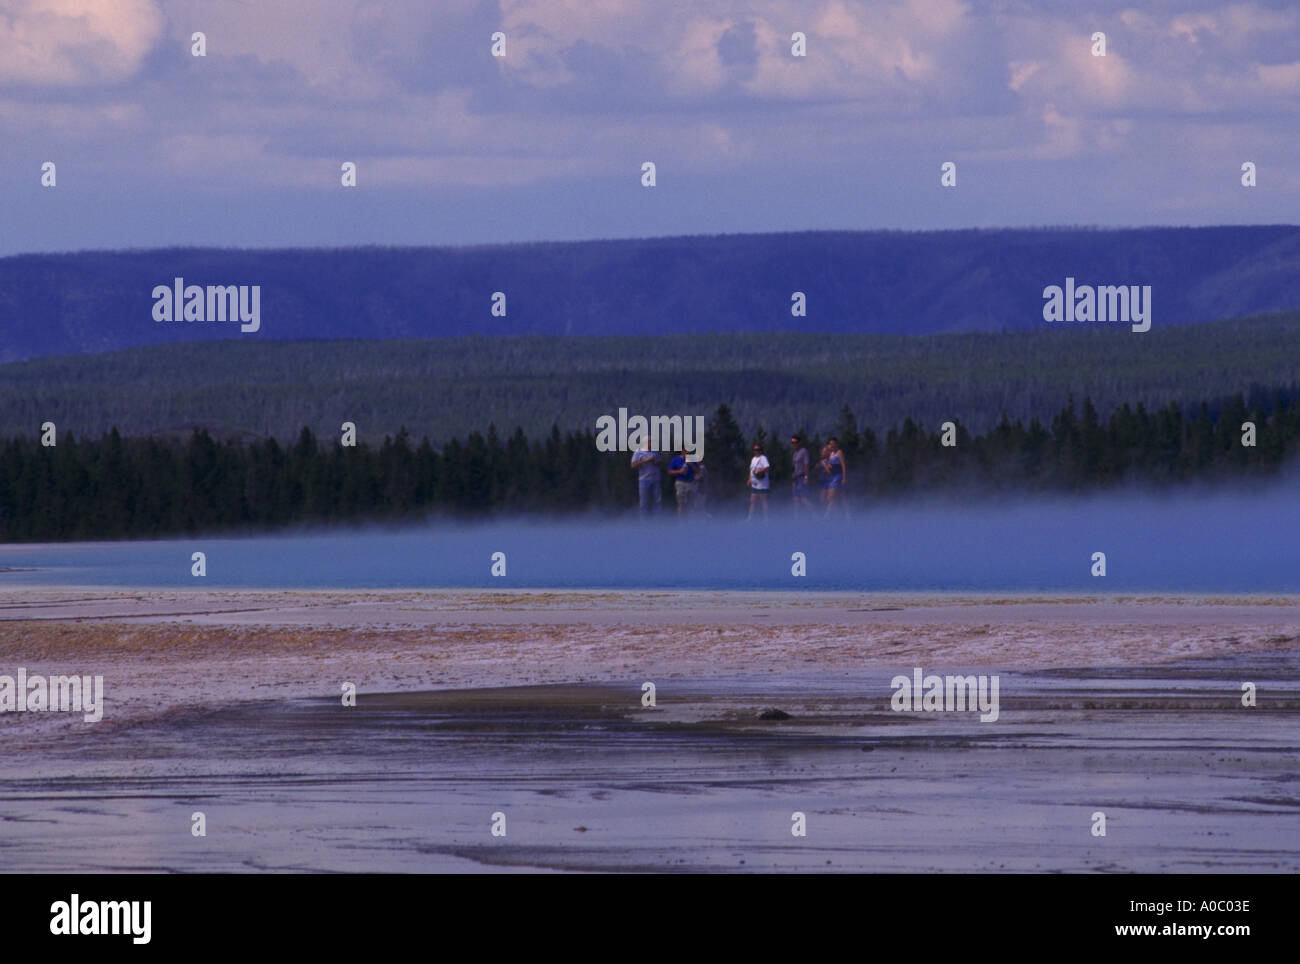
<point x="800" y="481"/>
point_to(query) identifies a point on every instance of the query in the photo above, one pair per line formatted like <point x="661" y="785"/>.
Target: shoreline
<point x="160" y="650"/>
<point x="471" y="702"/>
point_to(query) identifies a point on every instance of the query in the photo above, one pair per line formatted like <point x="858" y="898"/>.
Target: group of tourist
<point x="690" y="480"/>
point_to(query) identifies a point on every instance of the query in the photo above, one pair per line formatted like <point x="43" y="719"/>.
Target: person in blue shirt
<point x="683" y="474"/>
<point x="837" y="477"/>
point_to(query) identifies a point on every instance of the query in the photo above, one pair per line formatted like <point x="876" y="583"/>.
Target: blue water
<point x="1189" y="542"/>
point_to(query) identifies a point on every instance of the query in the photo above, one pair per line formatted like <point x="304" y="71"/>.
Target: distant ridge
<point x="880" y="282"/>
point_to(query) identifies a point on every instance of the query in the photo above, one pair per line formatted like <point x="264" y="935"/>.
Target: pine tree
<point x="725" y="454"/>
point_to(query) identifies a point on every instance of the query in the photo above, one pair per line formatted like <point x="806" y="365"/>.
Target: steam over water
<point x="1182" y="542"/>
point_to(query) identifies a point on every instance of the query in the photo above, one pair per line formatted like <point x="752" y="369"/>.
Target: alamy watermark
<point x="54" y="694"/>
<point x="662" y="433"/>
<point x="181" y="302"/>
<point x="132" y="918"/>
<point x="930" y="694"/>
<point x="1127" y="304"/>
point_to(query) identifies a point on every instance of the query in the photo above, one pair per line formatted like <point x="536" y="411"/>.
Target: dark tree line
<point x="117" y="487"/>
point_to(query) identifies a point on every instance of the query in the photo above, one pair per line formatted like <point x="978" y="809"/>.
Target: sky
<point x="153" y="146"/>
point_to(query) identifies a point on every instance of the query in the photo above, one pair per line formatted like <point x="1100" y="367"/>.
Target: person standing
<point x="799" y="483"/>
<point x="700" y="494"/>
<point x="683" y="474"/>
<point x="646" y="461"/>
<point x="838" y="477"/>
<point x="823" y="475"/>
<point x="760" y="482"/>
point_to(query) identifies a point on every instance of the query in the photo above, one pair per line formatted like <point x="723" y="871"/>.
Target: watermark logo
<point x="932" y="694"/>
<point x="55" y="694"/>
<point x="109" y="917"/>
<point x="662" y="433"/>
<point x="1126" y="304"/>
<point x="181" y="302"/>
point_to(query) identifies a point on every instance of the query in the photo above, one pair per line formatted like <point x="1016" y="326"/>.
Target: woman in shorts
<point x="837" y="475"/>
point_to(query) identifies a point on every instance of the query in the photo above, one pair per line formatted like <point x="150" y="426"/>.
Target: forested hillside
<point x="879" y="282"/>
<point x="448" y="388"/>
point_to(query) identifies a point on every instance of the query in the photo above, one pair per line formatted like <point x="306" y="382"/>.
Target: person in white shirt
<point x="760" y="483"/>
<point x="646" y="461"/>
